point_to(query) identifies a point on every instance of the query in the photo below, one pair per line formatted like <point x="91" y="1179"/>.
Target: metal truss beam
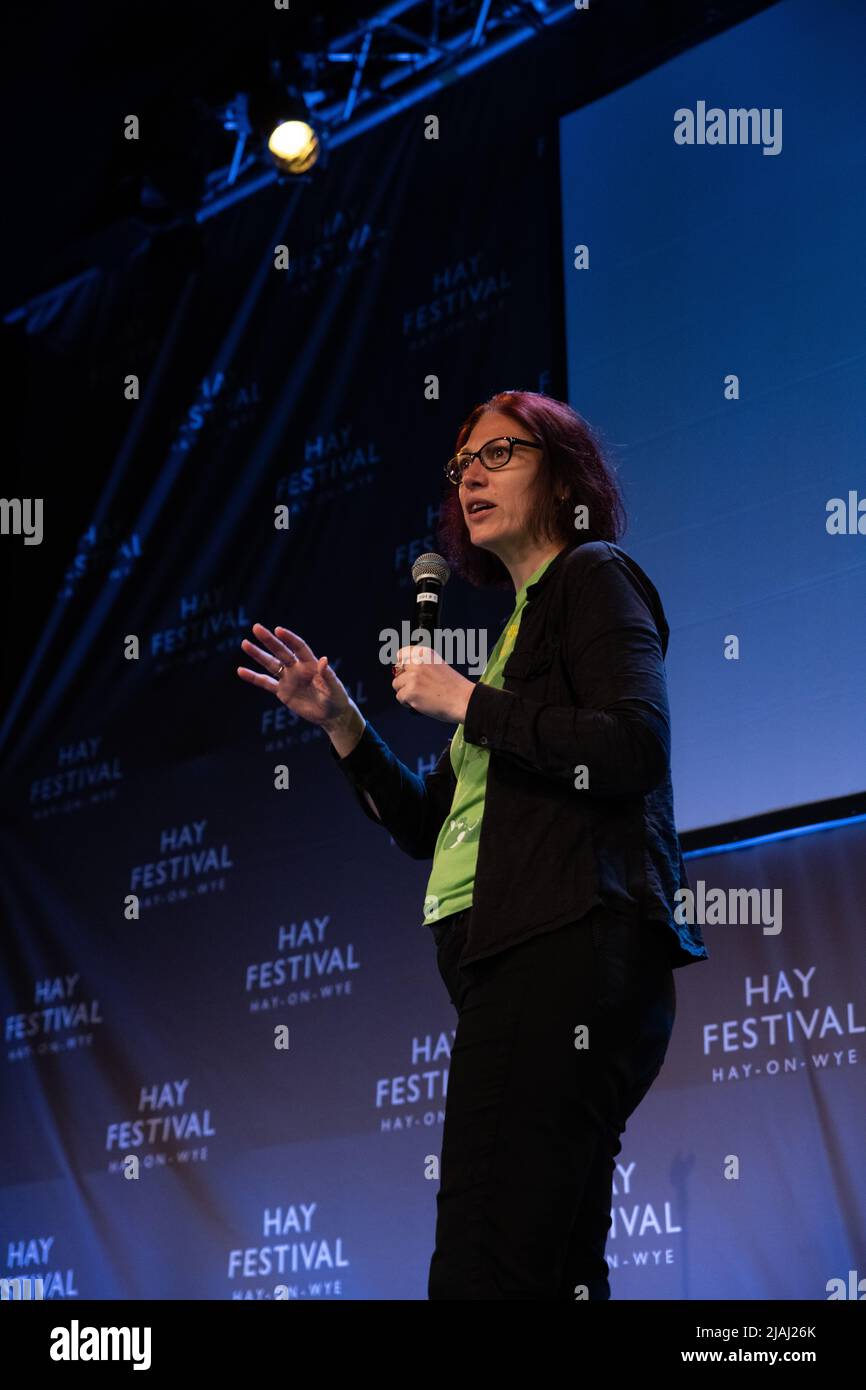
<point x="393" y="67"/>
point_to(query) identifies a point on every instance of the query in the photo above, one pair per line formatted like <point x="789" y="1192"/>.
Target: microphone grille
<point x="431" y="566"/>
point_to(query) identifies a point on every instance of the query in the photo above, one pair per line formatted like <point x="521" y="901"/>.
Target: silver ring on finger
<point x="279" y="671"/>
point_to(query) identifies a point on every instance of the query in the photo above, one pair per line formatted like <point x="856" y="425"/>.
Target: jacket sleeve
<point x="411" y="808"/>
<point x="619" y="724"/>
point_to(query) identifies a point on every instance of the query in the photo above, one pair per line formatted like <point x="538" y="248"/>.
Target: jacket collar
<point x="555" y="564"/>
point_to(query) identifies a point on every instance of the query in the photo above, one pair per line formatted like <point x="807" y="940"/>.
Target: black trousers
<point x="536" y="1105"/>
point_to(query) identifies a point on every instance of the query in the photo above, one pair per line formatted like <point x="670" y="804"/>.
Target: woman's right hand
<point x="307" y="685"/>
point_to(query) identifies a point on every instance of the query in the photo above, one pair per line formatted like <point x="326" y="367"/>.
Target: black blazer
<point x="584" y="686"/>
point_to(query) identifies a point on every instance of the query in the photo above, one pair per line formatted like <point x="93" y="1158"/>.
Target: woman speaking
<point x="555" y="860"/>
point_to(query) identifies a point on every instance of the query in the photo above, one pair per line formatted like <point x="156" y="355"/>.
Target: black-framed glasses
<point x="492" y="455"/>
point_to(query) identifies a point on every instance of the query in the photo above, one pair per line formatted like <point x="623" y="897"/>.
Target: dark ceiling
<point x="72" y="72"/>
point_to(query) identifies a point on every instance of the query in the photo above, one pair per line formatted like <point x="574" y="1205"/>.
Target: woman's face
<point x="502" y="526"/>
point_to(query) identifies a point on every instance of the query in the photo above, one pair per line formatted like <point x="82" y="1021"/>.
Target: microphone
<point x="430" y="573"/>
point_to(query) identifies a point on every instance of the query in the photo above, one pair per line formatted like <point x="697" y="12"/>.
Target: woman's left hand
<point x="430" y="686"/>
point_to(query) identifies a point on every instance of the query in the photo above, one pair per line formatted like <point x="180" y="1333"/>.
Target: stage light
<point x="279" y="117"/>
<point x="294" y="146"/>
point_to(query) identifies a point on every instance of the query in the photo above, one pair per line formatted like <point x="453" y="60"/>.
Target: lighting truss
<point x="402" y="54"/>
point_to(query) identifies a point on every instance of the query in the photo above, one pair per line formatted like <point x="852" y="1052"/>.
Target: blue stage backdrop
<point x="713" y="334"/>
<point x="309" y="1169"/>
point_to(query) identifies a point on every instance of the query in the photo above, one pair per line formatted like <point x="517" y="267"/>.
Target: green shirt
<point x="449" y="888"/>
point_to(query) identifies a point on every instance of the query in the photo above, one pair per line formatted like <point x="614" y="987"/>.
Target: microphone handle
<point x="428" y="617"/>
